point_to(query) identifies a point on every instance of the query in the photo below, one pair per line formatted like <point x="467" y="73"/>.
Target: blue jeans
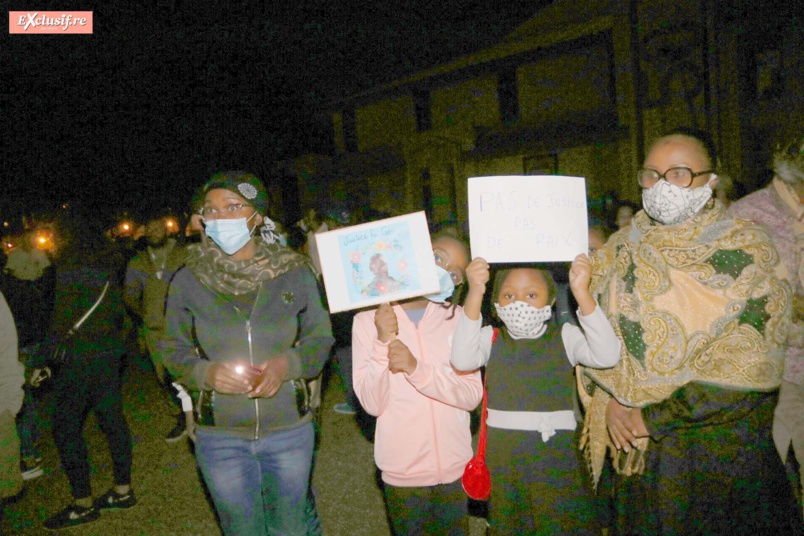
<point x="259" y="486"/>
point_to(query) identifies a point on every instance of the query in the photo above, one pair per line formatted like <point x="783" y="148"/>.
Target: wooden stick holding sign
<point x="378" y="262"/>
<point x="534" y="218"/>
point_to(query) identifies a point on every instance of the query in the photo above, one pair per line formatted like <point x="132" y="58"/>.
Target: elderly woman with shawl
<point x="702" y="310"/>
<point x="245" y="326"/>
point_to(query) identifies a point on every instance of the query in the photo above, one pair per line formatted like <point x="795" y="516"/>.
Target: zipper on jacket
<point x="256" y="401"/>
<point x="251" y="357"/>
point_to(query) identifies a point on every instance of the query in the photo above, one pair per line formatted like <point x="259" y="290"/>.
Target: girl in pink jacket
<point x="403" y="376"/>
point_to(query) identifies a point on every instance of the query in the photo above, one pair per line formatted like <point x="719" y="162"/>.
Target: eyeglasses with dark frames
<point x="679" y="176"/>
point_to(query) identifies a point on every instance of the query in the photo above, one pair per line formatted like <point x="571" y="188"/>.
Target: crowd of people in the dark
<point x="653" y="386"/>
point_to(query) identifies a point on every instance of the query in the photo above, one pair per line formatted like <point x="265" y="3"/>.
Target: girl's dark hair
<point x="502" y="274"/>
<point x="702" y="137"/>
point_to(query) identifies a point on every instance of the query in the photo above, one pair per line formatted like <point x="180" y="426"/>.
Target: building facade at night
<point x="580" y="89"/>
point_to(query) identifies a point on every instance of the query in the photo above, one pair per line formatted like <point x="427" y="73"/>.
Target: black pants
<point x="83" y="385"/>
<point x="434" y="510"/>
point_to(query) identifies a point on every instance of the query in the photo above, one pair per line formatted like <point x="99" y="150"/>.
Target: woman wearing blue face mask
<point x="246" y="328"/>
<point x="402" y="375"/>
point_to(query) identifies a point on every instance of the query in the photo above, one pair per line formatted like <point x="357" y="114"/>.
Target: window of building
<point x="424" y="117"/>
<point x="427" y="194"/>
<point x="350" y="130"/>
<point x="509" y="95"/>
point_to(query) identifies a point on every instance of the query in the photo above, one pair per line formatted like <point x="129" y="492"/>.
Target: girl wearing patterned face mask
<point x="536" y="478"/>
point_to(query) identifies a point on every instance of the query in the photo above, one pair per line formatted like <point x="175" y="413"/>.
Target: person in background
<point x="625" y="211"/>
<point x="779" y="208"/>
<point x="297" y="238"/>
<point x="724" y="190"/>
<point x="311" y="224"/>
<point x="147" y="278"/>
<point x="402" y="376"/>
<point x="28" y="284"/>
<point x="90" y="378"/>
<point x="246" y="328"/>
<point x="26" y="262"/>
<point x="336" y="216"/>
<point x="11" y="395"/>
<point x="701" y="311"/>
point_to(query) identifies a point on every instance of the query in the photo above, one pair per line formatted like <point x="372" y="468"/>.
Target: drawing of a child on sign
<point x="377" y="262"/>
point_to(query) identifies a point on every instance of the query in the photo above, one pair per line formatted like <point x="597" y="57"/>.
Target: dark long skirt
<point x="711" y="468"/>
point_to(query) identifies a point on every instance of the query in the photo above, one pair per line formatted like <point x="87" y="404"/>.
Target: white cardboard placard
<point x="377" y="262"/>
<point x="528" y="218"/>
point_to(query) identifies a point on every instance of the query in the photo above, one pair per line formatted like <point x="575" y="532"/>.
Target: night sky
<point x="165" y="92"/>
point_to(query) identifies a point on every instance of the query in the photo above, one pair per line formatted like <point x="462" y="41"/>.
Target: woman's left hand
<point x="268" y="383"/>
<point x="400" y="359"/>
<point x="625" y="425"/>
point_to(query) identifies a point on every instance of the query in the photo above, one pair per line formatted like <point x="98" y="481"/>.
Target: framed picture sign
<point x="377" y="262"/>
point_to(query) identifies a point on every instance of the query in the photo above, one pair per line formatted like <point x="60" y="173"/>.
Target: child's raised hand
<point x="386" y="323"/>
<point x="579" y="277"/>
<point x="580" y="273"/>
<point x="477" y="275"/>
<point x="400" y="359"/>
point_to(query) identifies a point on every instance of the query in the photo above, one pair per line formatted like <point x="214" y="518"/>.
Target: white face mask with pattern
<point x="671" y="204"/>
<point x="523" y="320"/>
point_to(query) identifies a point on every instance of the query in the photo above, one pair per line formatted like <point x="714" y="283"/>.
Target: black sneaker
<point x="111" y="500"/>
<point x="71" y="516"/>
<point x="179" y="431"/>
<point x="31" y="467"/>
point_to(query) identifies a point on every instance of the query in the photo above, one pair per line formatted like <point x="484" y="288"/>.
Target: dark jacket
<point x="146" y="284"/>
<point x="79" y="284"/>
<point x="287" y="319"/>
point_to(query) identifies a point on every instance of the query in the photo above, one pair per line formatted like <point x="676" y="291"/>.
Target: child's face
<point x="451" y="256"/>
<point x="525" y="285"/>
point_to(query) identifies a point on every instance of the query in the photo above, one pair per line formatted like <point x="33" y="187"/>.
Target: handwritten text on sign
<point x="538" y="218"/>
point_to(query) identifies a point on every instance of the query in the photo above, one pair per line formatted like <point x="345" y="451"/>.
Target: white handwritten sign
<point x="534" y="218"/>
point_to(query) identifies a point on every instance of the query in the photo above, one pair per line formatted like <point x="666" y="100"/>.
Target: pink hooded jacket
<point x="422" y="436"/>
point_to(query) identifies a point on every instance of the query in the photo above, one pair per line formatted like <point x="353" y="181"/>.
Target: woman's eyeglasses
<point x="212" y="212"/>
<point x="678" y="176"/>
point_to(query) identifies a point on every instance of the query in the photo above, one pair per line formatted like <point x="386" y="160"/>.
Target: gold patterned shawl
<point x="220" y="272"/>
<point x="699" y="301"/>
